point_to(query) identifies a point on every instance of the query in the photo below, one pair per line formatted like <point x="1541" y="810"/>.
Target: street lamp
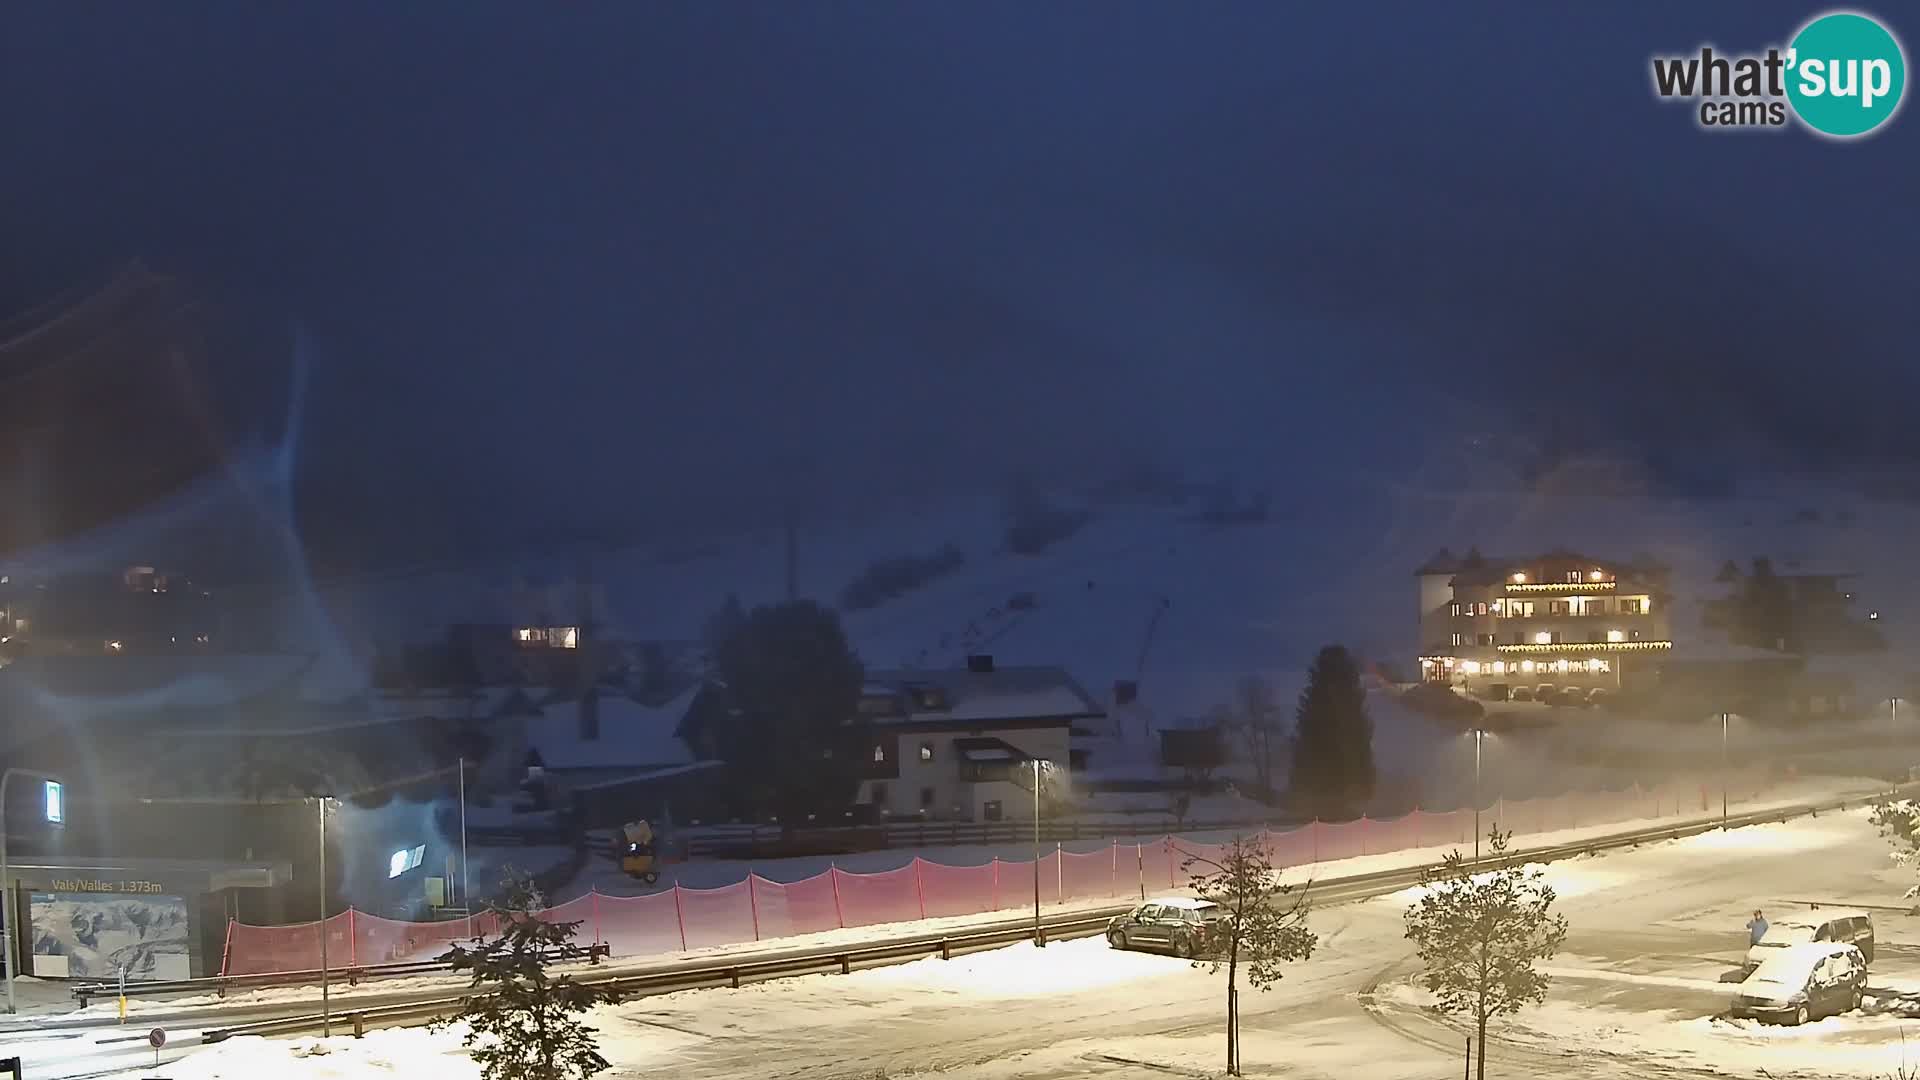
<point x="55" y="809"/>
<point x="1479" y="736"/>
<point x="1039" y="936"/>
<point x="1723" y="771"/>
<point x="326" y="1004"/>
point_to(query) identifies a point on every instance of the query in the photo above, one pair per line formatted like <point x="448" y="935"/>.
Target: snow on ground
<point x="1860" y="1044"/>
<point x="397" y="1052"/>
<point x="1628" y="994"/>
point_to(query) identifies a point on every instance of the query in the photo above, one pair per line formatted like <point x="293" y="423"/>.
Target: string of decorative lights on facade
<point x="1586" y="646"/>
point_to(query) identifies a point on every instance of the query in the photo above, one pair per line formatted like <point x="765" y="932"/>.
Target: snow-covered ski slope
<point x="1329" y="566"/>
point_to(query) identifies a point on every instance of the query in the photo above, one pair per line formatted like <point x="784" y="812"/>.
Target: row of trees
<point x="1479" y="928"/>
<point x="786" y="684"/>
<point x="1328" y="747"/>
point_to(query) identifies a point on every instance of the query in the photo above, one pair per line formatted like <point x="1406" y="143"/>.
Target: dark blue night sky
<point x="587" y="257"/>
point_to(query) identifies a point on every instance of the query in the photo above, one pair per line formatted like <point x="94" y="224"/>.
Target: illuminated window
<point x="405" y="859"/>
<point x="1629" y="605"/>
<point x="1454" y="609"/>
<point x="1543" y="638"/>
<point x="1456" y="639"/>
<point x="879" y="754"/>
<point x="531" y="634"/>
<point x="1573" y="576"/>
<point x="1560" y="666"/>
<point x="926" y="751"/>
<point x="1527" y="666"/>
<point x="1483" y="607"/>
<point x="1471" y="667"/>
<point x="564" y="637"/>
<point x="1616" y="635"/>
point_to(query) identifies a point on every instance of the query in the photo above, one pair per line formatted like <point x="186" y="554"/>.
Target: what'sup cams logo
<point x="1843" y="76"/>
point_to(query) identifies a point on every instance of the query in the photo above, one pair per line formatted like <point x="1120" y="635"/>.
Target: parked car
<point x="1521" y="693"/>
<point x="1597" y="696"/>
<point x="1846" y="926"/>
<point x="1180" y="925"/>
<point x="1799" y="983"/>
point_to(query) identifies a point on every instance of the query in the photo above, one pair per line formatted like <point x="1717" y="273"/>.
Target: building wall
<point x="934" y="783"/>
<point x="1534" y="625"/>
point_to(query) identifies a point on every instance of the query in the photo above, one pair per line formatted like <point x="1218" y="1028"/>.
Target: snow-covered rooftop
<point x="1008" y="693"/>
<point x="630" y="734"/>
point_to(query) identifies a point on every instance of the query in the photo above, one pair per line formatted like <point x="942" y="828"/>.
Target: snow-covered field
<point x="1656" y="933"/>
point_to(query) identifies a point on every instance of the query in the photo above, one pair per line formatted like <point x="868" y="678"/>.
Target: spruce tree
<point x="520" y="1018"/>
<point x="1333" y="738"/>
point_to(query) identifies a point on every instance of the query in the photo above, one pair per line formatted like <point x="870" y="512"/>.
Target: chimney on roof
<point x="980" y="663"/>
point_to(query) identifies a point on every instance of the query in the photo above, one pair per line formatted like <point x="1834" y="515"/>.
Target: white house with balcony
<point x="961" y="744"/>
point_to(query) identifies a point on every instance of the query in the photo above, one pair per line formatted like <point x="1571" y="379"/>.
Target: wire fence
<point x="680" y="918"/>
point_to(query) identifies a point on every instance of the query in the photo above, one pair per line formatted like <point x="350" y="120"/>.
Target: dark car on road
<point x="1177" y="924"/>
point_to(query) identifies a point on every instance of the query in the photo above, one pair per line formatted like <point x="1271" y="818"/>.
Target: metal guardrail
<point x="1076" y="924"/>
<point x="352" y="974"/>
<point x="845" y="960"/>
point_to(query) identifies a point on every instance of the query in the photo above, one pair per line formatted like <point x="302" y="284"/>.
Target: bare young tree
<point x="1262" y="727"/>
<point x="1261" y="925"/>
<point x="1480" y="931"/>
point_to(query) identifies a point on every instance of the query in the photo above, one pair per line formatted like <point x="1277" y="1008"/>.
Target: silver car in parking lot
<point x="1180" y="925"/>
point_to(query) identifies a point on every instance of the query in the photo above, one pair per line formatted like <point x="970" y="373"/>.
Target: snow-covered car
<point x="1177" y="924"/>
<point x="1815" y="926"/>
<point x="1798" y="983"/>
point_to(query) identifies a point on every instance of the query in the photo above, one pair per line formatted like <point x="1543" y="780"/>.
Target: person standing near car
<point x="1756" y="929"/>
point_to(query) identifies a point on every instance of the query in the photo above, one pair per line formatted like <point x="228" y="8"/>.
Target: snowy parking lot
<point x="1657" y="935"/>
